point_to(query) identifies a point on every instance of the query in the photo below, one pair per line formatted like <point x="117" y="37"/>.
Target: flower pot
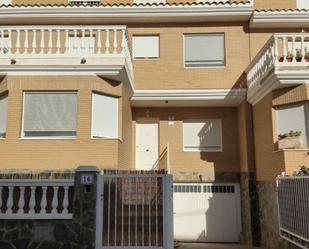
<point x="307" y="59"/>
<point x="298" y="59"/>
<point x="289" y="59"/>
<point x="280" y="59"/>
<point x="291" y="143"/>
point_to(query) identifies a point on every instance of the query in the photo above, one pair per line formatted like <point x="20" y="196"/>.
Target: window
<point x="104" y="116"/>
<point x="204" y="50"/>
<point x="50" y="114"/>
<point x="3" y="115"/>
<point x="302" y="4"/>
<point x="202" y="135"/>
<point x="293" y="117"/>
<point x="146" y="47"/>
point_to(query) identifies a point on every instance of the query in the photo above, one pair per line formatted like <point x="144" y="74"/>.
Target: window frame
<point x="118" y="114"/>
<point x="22" y="135"/>
<point x="146" y="58"/>
<point x="5" y="95"/>
<point x="203" y="34"/>
<point x="306" y="118"/>
<point x="200" y="120"/>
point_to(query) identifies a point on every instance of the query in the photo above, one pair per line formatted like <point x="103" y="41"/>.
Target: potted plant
<point x="289" y="57"/>
<point x="307" y="56"/>
<point x="298" y="55"/>
<point x="291" y="140"/>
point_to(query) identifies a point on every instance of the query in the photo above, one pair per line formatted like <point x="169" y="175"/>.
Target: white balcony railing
<point x="35" y="199"/>
<point x="20" y="44"/>
<point x="284" y="51"/>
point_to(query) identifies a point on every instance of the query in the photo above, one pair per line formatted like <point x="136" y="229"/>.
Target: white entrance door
<point x="207" y="212"/>
<point x="146" y="145"/>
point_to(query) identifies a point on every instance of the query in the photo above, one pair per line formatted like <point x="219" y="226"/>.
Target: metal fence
<point x="136" y="211"/>
<point x="293" y="203"/>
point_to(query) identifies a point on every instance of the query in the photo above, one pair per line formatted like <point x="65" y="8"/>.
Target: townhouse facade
<point x="201" y="89"/>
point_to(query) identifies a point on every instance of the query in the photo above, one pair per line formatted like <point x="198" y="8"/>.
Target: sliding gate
<point x="134" y="211"/>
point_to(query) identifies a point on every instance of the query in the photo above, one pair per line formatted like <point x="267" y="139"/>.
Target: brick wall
<point x="209" y="163"/>
<point x="57" y="153"/>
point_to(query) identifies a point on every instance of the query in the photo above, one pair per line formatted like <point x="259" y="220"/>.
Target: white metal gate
<point x="134" y="211"/>
<point x="211" y="211"/>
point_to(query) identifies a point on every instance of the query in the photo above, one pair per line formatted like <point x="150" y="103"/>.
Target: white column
<point x="303" y="52"/>
<point x="10" y="40"/>
<point x="9" y="203"/>
<point x="55" y="200"/>
<point x="32" y="200"/>
<point x="42" y="41"/>
<point x="21" y="202"/>
<point x="91" y="45"/>
<point x="50" y="41"/>
<point x="34" y="41"/>
<point x="99" y="45"/>
<point x="285" y="52"/>
<point x="107" y="42"/>
<point x="65" y="200"/>
<point x="115" y="42"/>
<point x="17" y="41"/>
<point x="123" y="42"/>
<point x="44" y="200"/>
<point x="58" y="45"/>
<point x="26" y="43"/>
<point x="2" y="40"/>
<point x="66" y="42"/>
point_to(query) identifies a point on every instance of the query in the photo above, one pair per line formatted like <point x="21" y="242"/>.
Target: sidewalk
<point x="212" y="246"/>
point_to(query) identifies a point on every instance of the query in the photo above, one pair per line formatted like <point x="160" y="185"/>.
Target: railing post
<point x="9" y="204"/>
<point x="32" y="200"/>
<point x="44" y="200"/>
<point x="21" y="202"/>
<point x="55" y="200"/>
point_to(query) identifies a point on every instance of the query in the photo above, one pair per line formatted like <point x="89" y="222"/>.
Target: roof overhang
<point x="280" y="19"/>
<point x="188" y="98"/>
<point x="157" y="13"/>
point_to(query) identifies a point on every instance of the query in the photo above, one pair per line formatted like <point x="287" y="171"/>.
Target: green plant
<point x="290" y="134"/>
<point x="298" y="54"/>
<point x="303" y="171"/>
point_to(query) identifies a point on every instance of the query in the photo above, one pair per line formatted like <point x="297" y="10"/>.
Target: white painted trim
<point x="142" y="13"/>
<point x="35" y="216"/>
<point x="283" y="18"/>
<point x="190" y="94"/>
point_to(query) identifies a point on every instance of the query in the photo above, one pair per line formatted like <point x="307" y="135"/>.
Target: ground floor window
<point x="104" y="116"/>
<point x="50" y="114"/>
<point x="293" y="117"/>
<point x="202" y="135"/>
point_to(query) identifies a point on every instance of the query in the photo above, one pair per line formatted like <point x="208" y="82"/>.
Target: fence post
<point x="168" y="233"/>
<point x="85" y="204"/>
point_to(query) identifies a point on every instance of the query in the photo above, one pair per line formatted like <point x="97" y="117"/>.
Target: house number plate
<point x="86" y="179"/>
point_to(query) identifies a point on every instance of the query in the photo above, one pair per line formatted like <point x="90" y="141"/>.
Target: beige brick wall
<point x="171" y="63"/>
<point x="274" y="4"/>
<point x="210" y="163"/>
<point x="290" y="95"/>
<point x="57" y="153"/>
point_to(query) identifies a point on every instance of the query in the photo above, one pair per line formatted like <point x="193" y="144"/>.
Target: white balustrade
<point x="281" y="50"/>
<point x="44" y="206"/>
<point x="64" y="40"/>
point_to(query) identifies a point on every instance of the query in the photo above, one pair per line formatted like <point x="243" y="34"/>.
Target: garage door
<point x="207" y="212"/>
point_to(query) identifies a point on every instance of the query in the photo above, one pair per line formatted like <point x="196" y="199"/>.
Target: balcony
<point x="100" y="50"/>
<point x="282" y="62"/>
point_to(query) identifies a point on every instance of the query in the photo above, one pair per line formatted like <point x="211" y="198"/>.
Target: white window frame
<point x="198" y="149"/>
<point x="5" y="95"/>
<point x="146" y="58"/>
<point x="117" y="117"/>
<point x="46" y="137"/>
<point x="306" y="117"/>
<point x="204" y="34"/>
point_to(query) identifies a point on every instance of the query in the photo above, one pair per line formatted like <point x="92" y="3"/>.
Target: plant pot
<point x="307" y="59"/>
<point x="298" y="59"/>
<point x="280" y="59"/>
<point x="289" y="59"/>
<point x="291" y="143"/>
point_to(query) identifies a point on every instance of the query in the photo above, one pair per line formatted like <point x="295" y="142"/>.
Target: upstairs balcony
<point x="97" y="49"/>
<point x="282" y="62"/>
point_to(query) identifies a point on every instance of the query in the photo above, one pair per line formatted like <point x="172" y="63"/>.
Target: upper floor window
<point x="146" y="47"/>
<point x="104" y="116"/>
<point x="302" y="4"/>
<point x="202" y="135"/>
<point x="204" y="50"/>
<point x="293" y="117"/>
<point x="3" y="115"/>
<point x="50" y="114"/>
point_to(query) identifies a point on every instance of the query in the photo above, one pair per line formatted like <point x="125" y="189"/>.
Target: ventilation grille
<point x="204" y="189"/>
<point x="84" y="2"/>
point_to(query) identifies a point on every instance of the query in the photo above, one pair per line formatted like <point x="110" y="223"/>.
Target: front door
<point x="146" y="145"/>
